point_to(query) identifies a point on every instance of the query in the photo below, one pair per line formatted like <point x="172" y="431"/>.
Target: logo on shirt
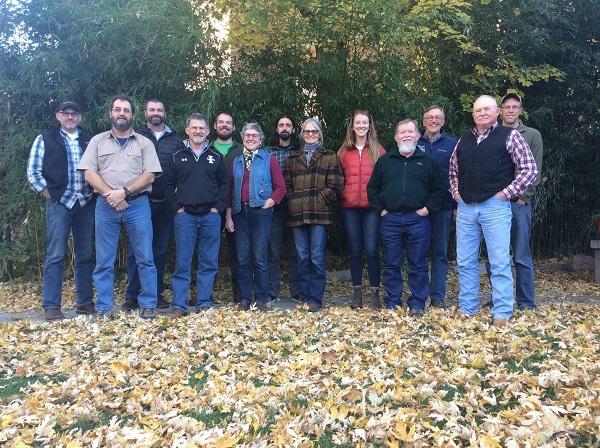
<point x="210" y="159"/>
<point x="184" y="159"/>
<point x="421" y="147"/>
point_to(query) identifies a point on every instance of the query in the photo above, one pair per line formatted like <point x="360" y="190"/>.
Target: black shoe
<point x="148" y="313"/>
<point x="416" y="312"/>
<point x="130" y="305"/>
<point x="313" y="307"/>
<point x="85" y="309"/>
<point x="261" y="306"/>
<point x="194" y="300"/>
<point x="244" y="305"/>
<point x="53" y="314"/>
<point x="438" y="303"/>
<point x="162" y="304"/>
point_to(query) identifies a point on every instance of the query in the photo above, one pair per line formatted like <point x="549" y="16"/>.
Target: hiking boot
<point x="498" y="322"/>
<point x="162" y="304"/>
<point x="438" y="303"/>
<point x="104" y="315"/>
<point x="244" y="305"/>
<point x="261" y="306"/>
<point x="313" y="307"/>
<point x="416" y="312"/>
<point x="51" y="314"/>
<point x="148" y="313"/>
<point x="130" y="305"/>
<point x="374" y="302"/>
<point x="176" y="313"/>
<point x="356" y="300"/>
<point x="85" y="309"/>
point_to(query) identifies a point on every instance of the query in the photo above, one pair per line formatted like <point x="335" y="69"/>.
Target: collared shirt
<point x="281" y="153"/>
<point x="77" y="189"/>
<point x="197" y="152"/>
<point x="119" y="166"/>
<point x="520" y="153"/>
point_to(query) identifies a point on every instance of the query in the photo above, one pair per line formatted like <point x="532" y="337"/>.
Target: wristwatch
<point x="127" y="193"/>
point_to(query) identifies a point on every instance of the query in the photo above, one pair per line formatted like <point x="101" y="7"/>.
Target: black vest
<point x="54" y="166"/>
<point x="484" y="169"/>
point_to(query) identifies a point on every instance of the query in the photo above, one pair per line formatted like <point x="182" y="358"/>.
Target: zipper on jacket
<point x="404" y="182"/>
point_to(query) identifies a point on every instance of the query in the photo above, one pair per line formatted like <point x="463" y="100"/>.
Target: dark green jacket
<point x="406" y="184"/>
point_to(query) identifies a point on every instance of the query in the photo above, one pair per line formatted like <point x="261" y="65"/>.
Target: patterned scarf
<point x="248" y="157"/>
<point x="309" y="150"/>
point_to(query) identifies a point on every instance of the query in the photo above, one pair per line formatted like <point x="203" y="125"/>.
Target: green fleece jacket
<point x="406" y="184"/>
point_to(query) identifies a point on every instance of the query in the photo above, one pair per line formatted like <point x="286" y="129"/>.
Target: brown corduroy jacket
<point x="312" y="188"/>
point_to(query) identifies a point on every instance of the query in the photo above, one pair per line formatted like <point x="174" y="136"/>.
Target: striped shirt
<point x="520" y="153"/>
<point x="77" y="189"/>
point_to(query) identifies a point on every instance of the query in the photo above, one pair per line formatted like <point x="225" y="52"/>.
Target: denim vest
<point x="260" y="184"/>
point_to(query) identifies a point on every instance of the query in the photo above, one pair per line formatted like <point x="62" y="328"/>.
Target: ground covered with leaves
<point x="226" y="378"/>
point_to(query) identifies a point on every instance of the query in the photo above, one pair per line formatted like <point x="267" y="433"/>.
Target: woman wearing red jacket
<point x="357" y="155"/>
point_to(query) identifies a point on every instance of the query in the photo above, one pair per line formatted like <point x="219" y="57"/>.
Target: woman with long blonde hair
<point x="357" y="156"/>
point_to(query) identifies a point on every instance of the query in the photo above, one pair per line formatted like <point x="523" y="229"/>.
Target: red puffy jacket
<point x="357" y="172"/>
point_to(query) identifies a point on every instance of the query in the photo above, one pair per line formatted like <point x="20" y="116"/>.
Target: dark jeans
<point x="311" y="246"/>
<point x="405" y="233"/>
<point x="282" y="239"/>
<point x="252" y="233"/>
<point x="233" y="262"/>
<point x="162" y="231"/>
<point x="440" y="234"/>
<point x="60" y="222"/>
<point x="361" y="226"/>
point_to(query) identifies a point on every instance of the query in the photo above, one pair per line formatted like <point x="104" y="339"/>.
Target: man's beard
<point x="284" y="135"/>
<point x="224" y="134"/>
<point x="156" y="120"/>
<point x="121" y="124"/>
<point x="407" y="148"/>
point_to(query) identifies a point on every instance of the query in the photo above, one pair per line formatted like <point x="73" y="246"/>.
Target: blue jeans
<point x="282" y="240"/>
<point x="60" y="221"/>
<point x="135" y="219"/>
<point x="311" y="246"/>
<point x="361" y="226"/>
<point x="205" y="230"/>
<point x="440" y="234"/>
<point x="252" y="233"/>
<point x="162" y="231"/>
<point x="520" y="234"/>
<point x="492" y="219"/>
<point x="410" y="233"/>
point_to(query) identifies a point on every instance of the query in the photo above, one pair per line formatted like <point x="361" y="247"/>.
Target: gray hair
<point x="317" y="124"/>
<point x="486" y="97"/>
<point x="196" y="116"/>
<point x="407" y="121"/>
<point x="253" y="125"/>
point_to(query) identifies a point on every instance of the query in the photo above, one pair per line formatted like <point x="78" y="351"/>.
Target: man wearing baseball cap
<point x="51" y="171"/>
<point x="511" y="107"/>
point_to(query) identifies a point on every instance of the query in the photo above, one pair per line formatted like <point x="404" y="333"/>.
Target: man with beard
<point x="224" y="125"/>
<point x="405" y="187"/>
<point x="70" y="203"/>
<point x="165" y="143"/>
<point x="283" y="143"/>
<point x="121" y="165"/>
<point x="491" y="165"/>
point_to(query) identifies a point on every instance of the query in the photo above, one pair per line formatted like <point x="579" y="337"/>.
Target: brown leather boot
<point x="375" y="303"/>
<point x="356" y="300"/>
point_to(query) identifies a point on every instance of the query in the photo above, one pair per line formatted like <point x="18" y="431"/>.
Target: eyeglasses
<point x="310" y="131"/>
<point x="118" y="110"/>
<point x="251" y="136"/>
<point x="433" y="117"/>
<point x="69" y="114"/>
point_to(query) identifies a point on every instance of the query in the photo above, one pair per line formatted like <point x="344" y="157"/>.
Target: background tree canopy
<point x="306" y="57"/>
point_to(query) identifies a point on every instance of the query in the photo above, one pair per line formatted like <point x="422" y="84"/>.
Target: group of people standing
<point x="280" y="197"/>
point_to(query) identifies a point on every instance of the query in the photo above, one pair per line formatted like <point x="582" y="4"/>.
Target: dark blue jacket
<point x="441" y="150"/>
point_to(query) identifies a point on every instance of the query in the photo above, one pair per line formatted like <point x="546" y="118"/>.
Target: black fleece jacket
<point x="406" y="184"/>
<point x="196" y="183"/>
